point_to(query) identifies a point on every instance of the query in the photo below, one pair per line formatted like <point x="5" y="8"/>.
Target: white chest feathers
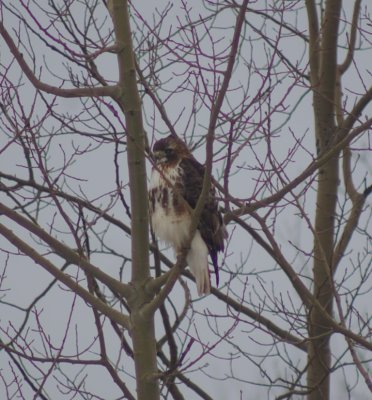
<point x="170" y="216"/>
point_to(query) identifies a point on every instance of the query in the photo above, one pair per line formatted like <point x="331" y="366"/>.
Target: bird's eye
<point x="168" y="151"/>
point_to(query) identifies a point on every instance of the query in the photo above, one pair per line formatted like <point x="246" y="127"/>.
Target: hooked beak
<point x="160" y="157"/>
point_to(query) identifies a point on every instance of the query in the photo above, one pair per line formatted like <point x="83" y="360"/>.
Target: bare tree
<point x="275" y="98"/>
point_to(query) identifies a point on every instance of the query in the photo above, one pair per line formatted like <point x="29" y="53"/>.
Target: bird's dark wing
<point x="211" y="226"/>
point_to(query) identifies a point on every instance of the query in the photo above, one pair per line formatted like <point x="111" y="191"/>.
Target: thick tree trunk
<point x="319" y="353"/>
<point x="323" y="65"/>
<point x="143" y="331"/>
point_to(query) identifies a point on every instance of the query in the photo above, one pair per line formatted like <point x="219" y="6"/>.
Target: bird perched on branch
<point x="175" y="187"/>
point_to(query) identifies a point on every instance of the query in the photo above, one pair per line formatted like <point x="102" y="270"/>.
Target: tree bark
<point x="143" y="331"/>
<point x="323" y="64"/>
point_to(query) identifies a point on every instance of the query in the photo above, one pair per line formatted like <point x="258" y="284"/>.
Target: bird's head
<point x="169" y="151"/>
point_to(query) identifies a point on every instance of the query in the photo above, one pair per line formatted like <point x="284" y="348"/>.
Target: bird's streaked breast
<point x="170" y="217"/>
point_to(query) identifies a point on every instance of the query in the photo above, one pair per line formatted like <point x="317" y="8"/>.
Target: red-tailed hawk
<point x="175" y="187"/>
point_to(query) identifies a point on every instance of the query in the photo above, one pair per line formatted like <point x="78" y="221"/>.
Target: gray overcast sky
<point x="260" y="280"/>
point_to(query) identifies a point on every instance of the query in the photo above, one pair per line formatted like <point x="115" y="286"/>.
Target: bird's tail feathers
<point x="213" y="255"/>
<point x="197" y="259"/>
